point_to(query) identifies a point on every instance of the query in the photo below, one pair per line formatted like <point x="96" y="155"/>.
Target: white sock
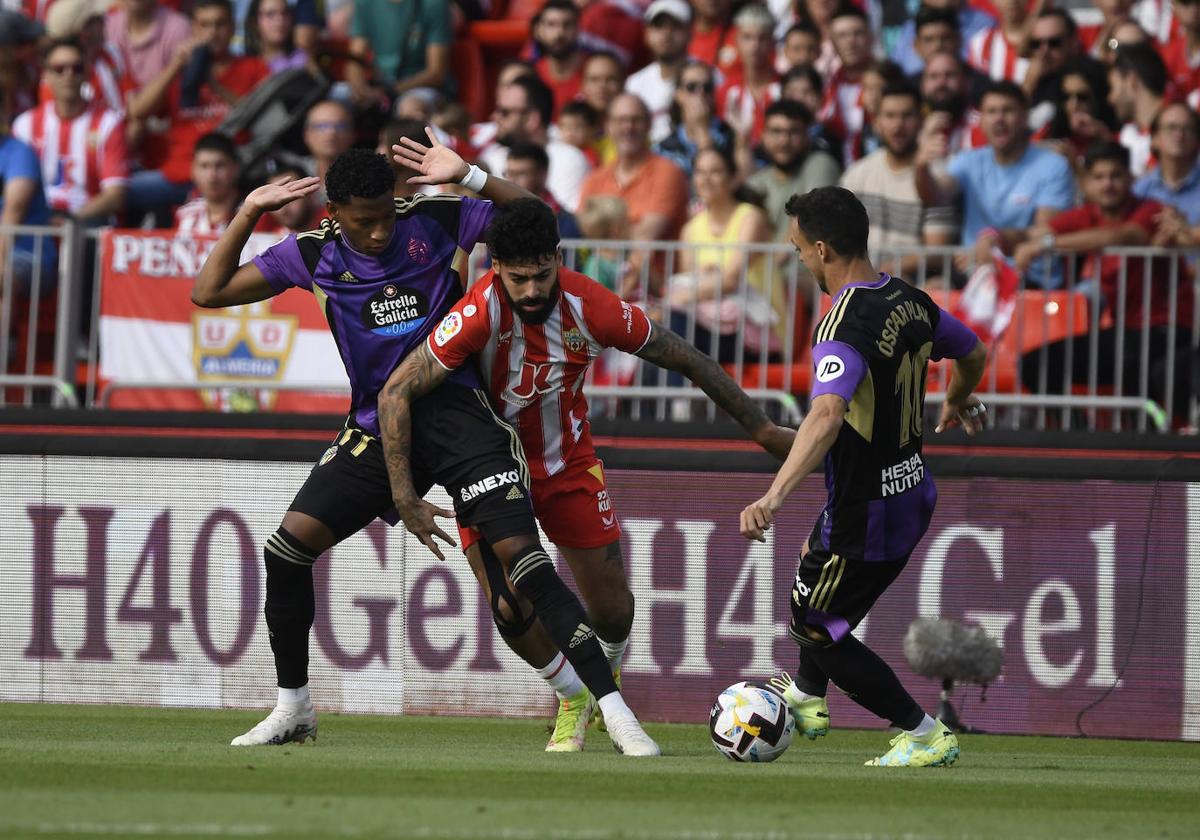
<point x="293" y="697"/>
<point x="614" y="652"/>
<point x="923" y="728"/>
<point x="613" y="707"/>
<point x="560" y="675"/>
<point x="801" y="696"/>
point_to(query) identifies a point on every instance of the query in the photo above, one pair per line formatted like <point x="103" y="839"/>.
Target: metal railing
<point x="1069" y="358"/>
<point x="39" y="267"/>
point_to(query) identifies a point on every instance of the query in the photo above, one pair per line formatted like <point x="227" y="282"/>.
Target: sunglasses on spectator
<point x="1053" y="43"/>
<point x="64" y="69"/>
<point x="330" y="126"/>
<point x="698" y="87"/>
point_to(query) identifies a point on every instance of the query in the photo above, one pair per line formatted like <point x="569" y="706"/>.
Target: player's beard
<point x="537" y="316"/>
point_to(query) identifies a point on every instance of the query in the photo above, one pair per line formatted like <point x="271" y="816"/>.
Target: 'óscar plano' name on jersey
<point x="905" y="311"/>
<point x="395" y="310"/>
<point x="903" y="476"/>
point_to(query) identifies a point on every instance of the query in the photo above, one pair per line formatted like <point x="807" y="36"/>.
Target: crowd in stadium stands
<point x="977" y="124"/>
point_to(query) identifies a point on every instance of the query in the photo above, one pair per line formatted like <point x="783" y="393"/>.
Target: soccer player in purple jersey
<point x="870" y="356"/>
<point x="386" y="271"/>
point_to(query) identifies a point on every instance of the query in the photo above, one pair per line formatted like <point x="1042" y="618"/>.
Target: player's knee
<point x="511" y="613"/>
<point x="289" y="578"/>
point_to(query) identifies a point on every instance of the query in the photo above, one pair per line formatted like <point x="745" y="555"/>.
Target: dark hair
<point x="209" y="4"/>
<point x="833" y="215"/>
<point x="538" y="96"/>
<point x="522" y="231"/>
<point x="807" y="72"/>
<point x="359" y="173"/>
<point x="891" y="72"/>
<point x="579" y="108"/>
<point x="608" y="54"/>
<point x="902" y="88"/>
<point x="803" y="26"/>
<point x="1143" y="61"/>
<point x="71" y="42"/>
<point x="215" y="141"/>
<point x="530" y="151"/>
<point x="1063" y="15"/>
<point x="1096" y="76"/>
<point x="791" y="109"/>
<point x="929" y="15"/>
<point x="1192" y="115"/>
<point x="1003" y="87"/>
<point x="552" y="5"/>
<point x="850" y="10"/>
<point x="396" y="130"/>
<point x="1106" y="150"/>
<point x="253" y="37"/>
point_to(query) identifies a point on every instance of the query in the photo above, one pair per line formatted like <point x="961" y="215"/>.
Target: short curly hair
<point x="523" y="231"/>
<point x="359" y="173"/>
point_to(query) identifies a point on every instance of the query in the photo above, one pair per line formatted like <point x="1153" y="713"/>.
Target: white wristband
<point x="475" y="179"/>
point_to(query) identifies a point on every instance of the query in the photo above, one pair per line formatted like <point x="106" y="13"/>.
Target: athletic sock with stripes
<point x="561" y="676"/>
<point x="532" y="573"/>
<point x="290" y="606"/>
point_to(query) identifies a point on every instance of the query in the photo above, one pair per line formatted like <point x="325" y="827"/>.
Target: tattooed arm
<point x="416" y="376"/>
<point x="668" y="350"/>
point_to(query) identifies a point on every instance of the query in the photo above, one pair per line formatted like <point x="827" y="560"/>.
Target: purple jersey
<point x="381" y="307"/>
<point x="872" y="350"/>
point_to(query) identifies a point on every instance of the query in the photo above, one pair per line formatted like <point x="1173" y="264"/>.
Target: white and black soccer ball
<point x="751" y="722"/>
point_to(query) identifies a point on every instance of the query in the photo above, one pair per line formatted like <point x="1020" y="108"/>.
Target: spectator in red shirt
<point x="108" y="78"/>
<point x="1182" y="52"/>
<point x="843" y="109"/>
<point x="215" y="172"/>
<point x="742" y="101"/>
<point x="713" y="36"/>
<point x="1113" y="216"/>
<point x="81" y="145"/>
<point x="196" y="91"/>
<point x="555" y="33"/>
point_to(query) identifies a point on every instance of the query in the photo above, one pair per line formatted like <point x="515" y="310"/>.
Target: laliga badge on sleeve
<point x="451" y="326"/>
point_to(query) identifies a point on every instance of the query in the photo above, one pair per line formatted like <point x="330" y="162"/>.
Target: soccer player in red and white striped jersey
<point x="535" y="328"/>
<point x="81" y="146"/>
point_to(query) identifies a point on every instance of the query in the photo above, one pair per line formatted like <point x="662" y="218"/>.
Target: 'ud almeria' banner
<point x="140" y="581"/>
<point x="151" y="332"/>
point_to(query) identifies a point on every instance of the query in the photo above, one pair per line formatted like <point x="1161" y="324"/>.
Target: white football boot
<point x="283" y="726"/>
<point x="629" y="738"/>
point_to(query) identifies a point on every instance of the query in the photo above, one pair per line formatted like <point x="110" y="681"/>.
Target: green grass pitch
<point x="105" y="771"/>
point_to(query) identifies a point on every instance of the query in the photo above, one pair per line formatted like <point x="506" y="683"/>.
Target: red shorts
<point x="573" y="507"/>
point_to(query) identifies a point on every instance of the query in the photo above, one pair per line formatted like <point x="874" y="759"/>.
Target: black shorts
<point x="833" y="593"/>
<point x="457" y="442"/>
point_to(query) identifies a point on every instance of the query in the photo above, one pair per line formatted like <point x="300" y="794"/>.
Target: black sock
<point x="867" y="679"/>
<point x="810" y="677"/>
<point x="290" y="606"/>
<point x="563" y="617"/>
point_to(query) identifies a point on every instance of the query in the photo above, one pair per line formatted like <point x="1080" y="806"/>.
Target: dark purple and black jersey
<point x="380" y="307"/>
<point x="873" y="349"/>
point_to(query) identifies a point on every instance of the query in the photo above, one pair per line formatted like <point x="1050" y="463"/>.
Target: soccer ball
<point x="751" y="722"/>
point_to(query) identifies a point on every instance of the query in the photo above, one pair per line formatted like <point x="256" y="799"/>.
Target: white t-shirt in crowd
<point x="649" y="85"/>
<point x="568" y="168"/>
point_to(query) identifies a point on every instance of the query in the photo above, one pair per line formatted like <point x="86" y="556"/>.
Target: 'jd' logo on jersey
<point x="395" y="310"/>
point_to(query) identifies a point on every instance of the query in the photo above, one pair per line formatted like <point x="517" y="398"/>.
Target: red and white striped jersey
<point x="990" y="52"/>
<point x="535" y="373"/>
<point x="108" y="81"/>
<point x="80" y="156"/>
<point x="967" y="133"/>
<point x="843" y="112"/>
<point x="194" y="217"/>
<point x="738" y="106"/>
<point x="1183" y="69"/>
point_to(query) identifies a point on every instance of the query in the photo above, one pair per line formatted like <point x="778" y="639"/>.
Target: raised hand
<point x="271" y="197"/>
<point x="437" y="163"/>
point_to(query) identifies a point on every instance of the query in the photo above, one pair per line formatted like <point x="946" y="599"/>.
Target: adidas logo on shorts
<point x="514" y="495"/>
<point x="582" y="634"/>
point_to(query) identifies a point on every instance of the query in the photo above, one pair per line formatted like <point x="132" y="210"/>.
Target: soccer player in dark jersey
<point x="870" y="354"/>
<point x="386" y="271"/>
